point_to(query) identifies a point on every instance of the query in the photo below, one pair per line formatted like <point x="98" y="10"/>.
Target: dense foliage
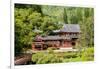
<point x="47" y="18"/>
<point x="51" y="57"/>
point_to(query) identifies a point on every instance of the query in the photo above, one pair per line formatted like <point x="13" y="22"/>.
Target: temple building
<point x="64" y="38"/>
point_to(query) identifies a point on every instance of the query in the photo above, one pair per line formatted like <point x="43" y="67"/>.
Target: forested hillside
<point x="47" y="18"/>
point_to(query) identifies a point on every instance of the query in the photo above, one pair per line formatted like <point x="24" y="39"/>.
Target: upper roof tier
<point x="69" y="28"/>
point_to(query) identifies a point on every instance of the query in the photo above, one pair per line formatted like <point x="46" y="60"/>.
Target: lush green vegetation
<point x="51" y="57"/>
<point x="47" y="18"/>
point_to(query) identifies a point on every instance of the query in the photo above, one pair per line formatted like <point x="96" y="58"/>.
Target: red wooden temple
<point x="65" y="38"/>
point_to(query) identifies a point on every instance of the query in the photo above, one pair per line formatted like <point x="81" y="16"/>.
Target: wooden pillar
<point x="33" y="46"/>
<point x="41" y="47"/>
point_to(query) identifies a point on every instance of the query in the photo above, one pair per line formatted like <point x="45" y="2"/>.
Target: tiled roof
<point x="69" y="28"/>
<point x="52" y="38"/>
<point x="65" y="28"/>
<point x="60" y="37"/>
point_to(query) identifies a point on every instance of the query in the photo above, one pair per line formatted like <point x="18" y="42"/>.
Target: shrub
<point x="70" y="55"/>
<point x="51" y="57"/>
<point x="37" y="56"/>
<point x="88" y="54"/>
